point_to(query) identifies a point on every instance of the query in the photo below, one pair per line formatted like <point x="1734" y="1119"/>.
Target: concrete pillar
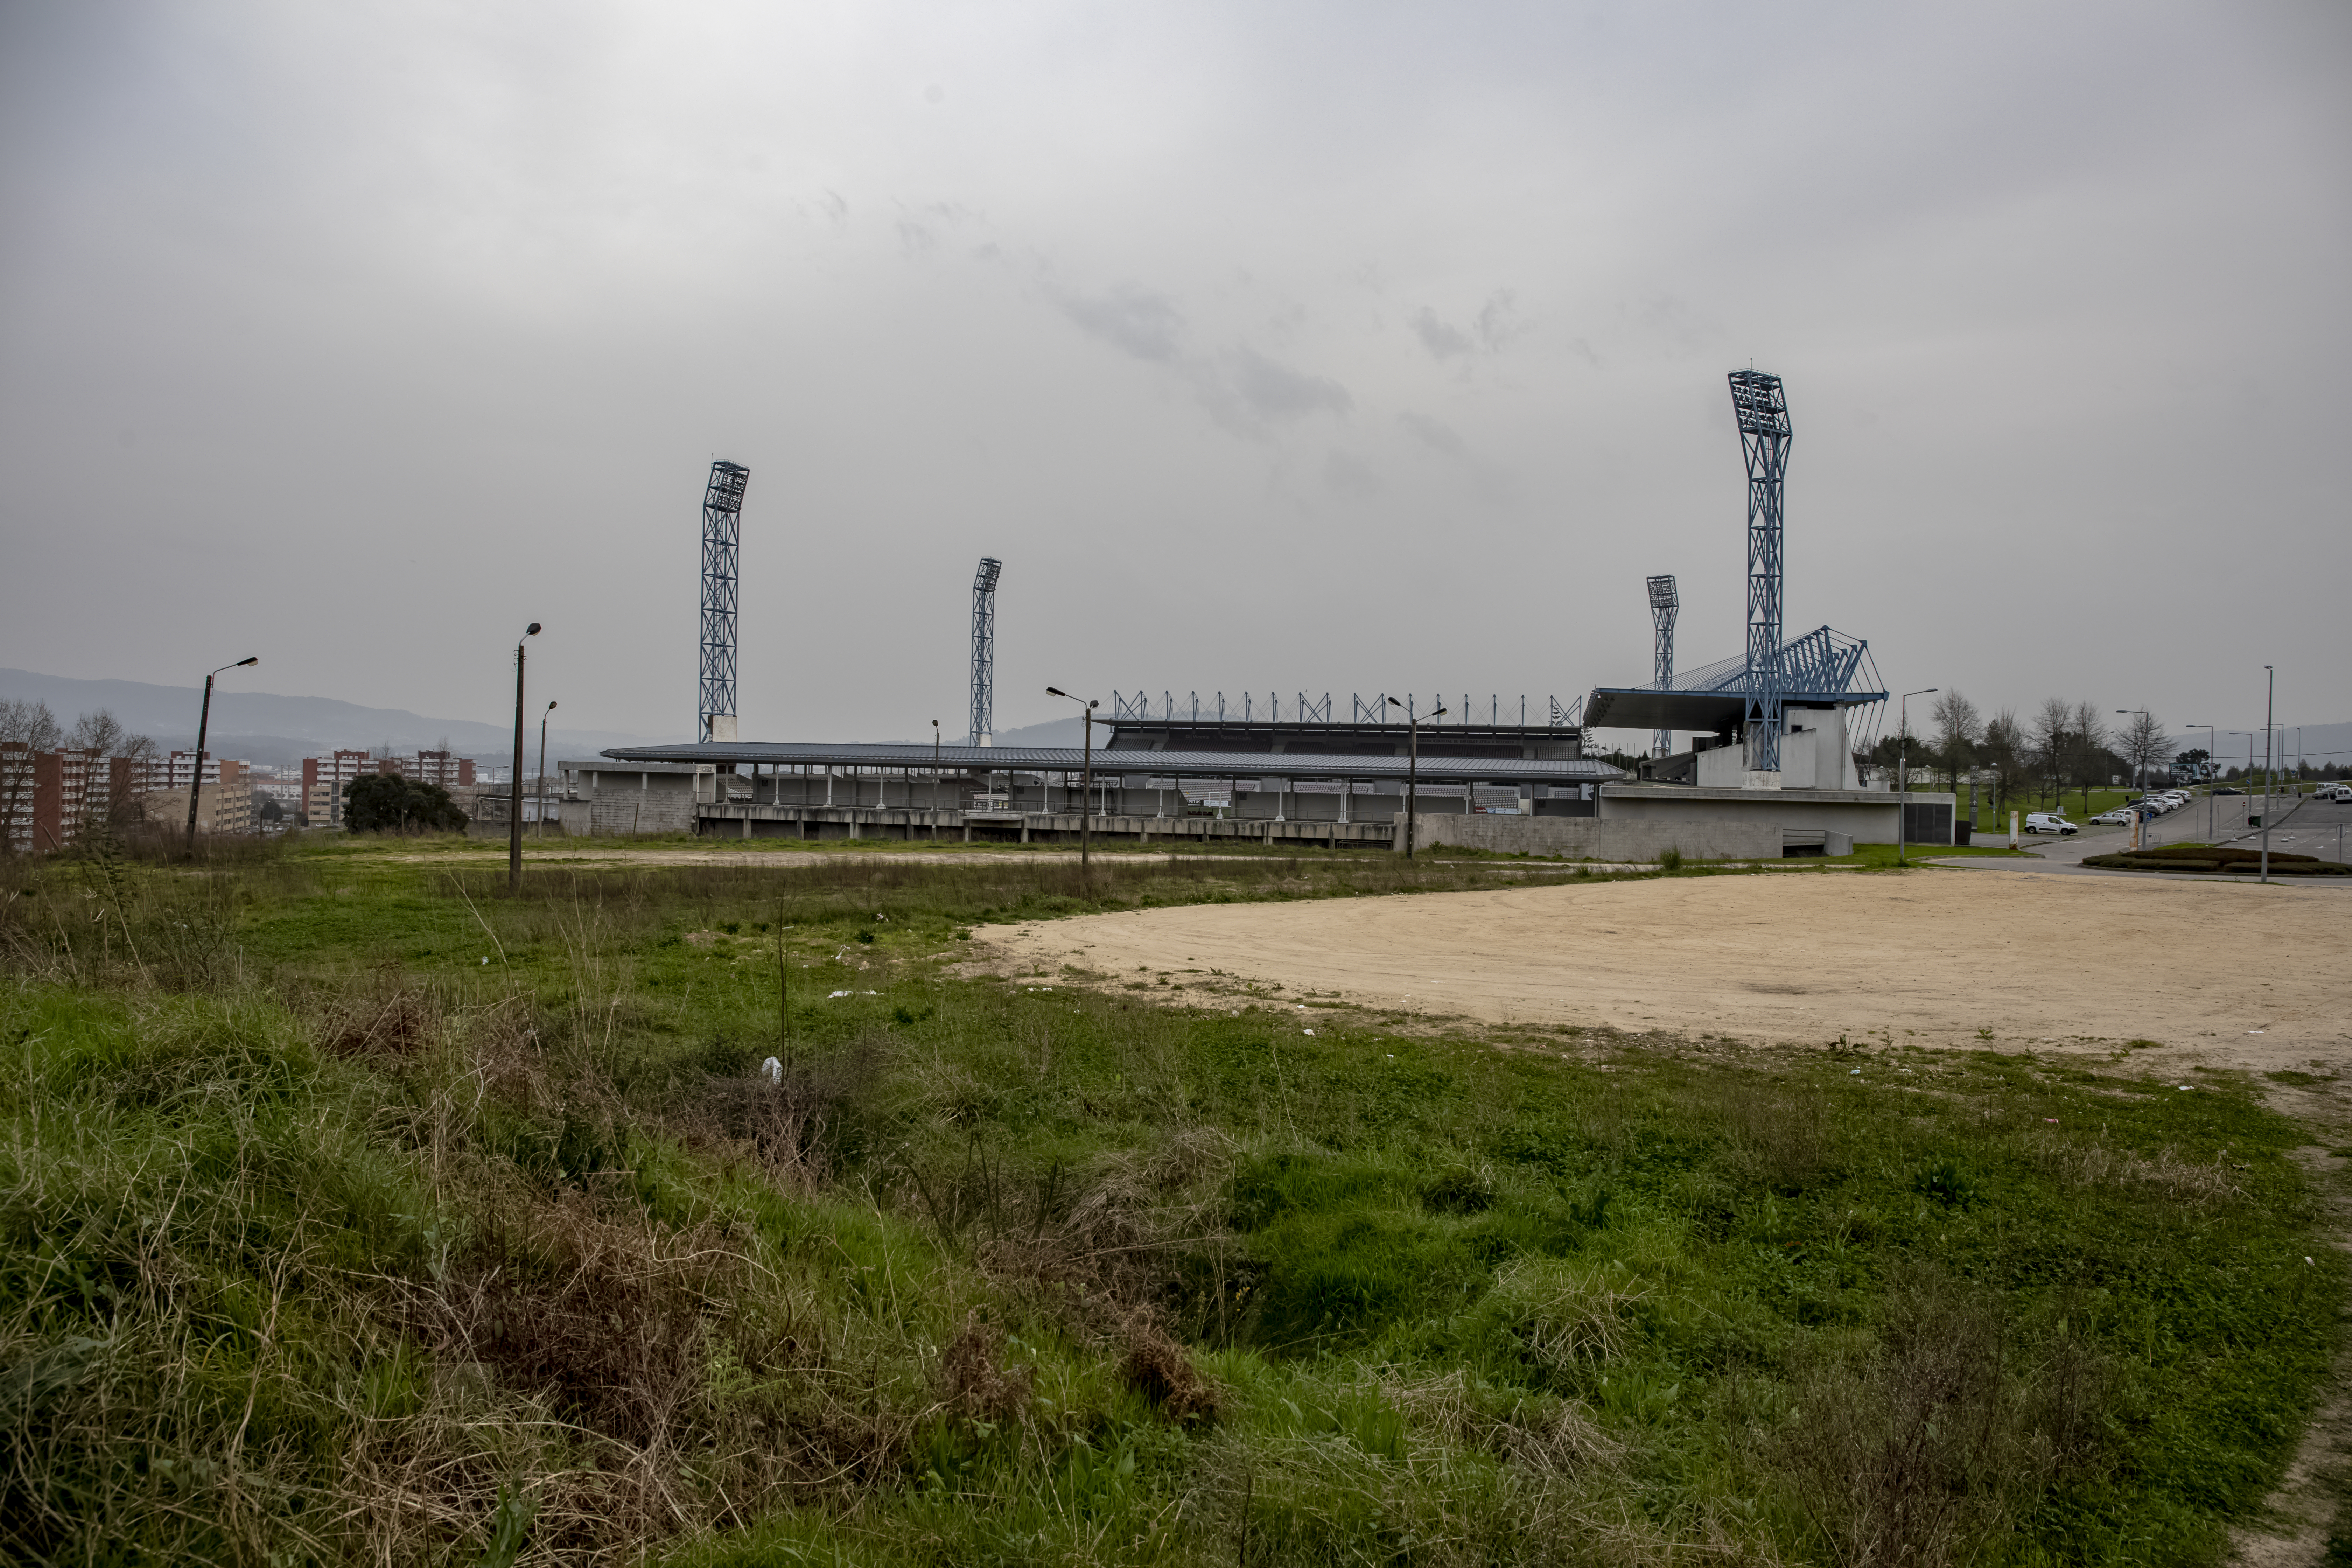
<point x="747" y="822"/>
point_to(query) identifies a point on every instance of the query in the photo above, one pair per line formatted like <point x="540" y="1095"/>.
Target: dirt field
<point x="2237" y="976"/>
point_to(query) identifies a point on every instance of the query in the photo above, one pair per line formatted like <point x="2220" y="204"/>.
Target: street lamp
<point x="204" y="722"/>
<point x="2210" y="746"/>
<point x="2270" y="717"/>
<point x="1086" y="707"/>
<point x="1411" y="770"/>
<point x="1903" y="774"/>
<point x="514" y="781"/>
<point x="541" y="824"/>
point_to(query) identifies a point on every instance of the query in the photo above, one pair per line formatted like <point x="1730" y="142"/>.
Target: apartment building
<point x="323" y="778"/>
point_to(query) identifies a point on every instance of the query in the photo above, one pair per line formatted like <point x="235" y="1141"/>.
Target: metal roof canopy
<point x="1071" y="759"/>
<point x="1704" y="712"/>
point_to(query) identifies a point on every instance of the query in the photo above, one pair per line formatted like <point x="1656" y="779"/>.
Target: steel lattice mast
<point x="983" y="649"/>
<point x="1664" y="602"/>
<point x="1763" y="414"/>
<point x="722" y="538"/>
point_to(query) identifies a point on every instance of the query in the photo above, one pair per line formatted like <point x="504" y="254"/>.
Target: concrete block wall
<point x="622" y="812"/>
<point x="1603" y="838"/>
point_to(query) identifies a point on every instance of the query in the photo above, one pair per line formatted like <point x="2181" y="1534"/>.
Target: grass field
<point x="353" y="1209"/>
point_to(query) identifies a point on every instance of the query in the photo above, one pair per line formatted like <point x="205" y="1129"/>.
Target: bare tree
<point x="2089" y="748"/>
<point x="32" y="726"/>
<point x="2048" y="742"/>
<point x="2007" y="752"/>
<point x="2144" y="745"/>
<point x="1958" y="730"/>
<point x="102" y="735"/>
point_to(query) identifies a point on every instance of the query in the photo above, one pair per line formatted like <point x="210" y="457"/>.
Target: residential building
<point x="324" y="779"/>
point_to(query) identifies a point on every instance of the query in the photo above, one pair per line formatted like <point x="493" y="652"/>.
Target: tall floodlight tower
<point x="723" y="538"/>
<point x="1763" y="414"/>
<point x="1664" y="601"/>
<point x="983" y="649"/>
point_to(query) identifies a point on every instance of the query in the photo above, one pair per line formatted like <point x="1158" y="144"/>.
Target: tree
<point x="2089" y="748"/>
<point x="2047" y="741"/>
<point x="2008" y="753"/>
<point x="387" y="802"/>
<point x="101" y="734"/>
<point x="1958" y="730"/>
<point x="2144" y="745"/>
<point x="29" y="725"/>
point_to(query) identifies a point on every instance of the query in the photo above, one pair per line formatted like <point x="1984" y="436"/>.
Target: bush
<point x="387" y="803"/>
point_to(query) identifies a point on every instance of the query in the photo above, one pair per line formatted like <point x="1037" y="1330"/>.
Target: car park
<point x="2050" y="822"/>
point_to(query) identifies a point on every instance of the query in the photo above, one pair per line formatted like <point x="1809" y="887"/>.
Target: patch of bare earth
<point x="2224" y="975"/>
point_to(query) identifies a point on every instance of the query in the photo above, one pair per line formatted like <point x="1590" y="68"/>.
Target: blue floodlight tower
<point x="983" y="649"/>
<point x="722" y="538"/>
<point x="1664" y="602"/>
<point x="1763" y="414"/>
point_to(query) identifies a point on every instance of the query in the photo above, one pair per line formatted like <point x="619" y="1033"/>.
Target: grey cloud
<point x="1273" y="391"/>
<point x="1434" y="433"/>
<point x="1439" y="339"/>
<point x="1349" y="477"/>
<point x="1495" y="323"/>
<point x="1144" y="324"/>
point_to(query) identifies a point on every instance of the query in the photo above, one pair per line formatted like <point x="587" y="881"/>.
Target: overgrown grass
<point x="324" y="1238"/>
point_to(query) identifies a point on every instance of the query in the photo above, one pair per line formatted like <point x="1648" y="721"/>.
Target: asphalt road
<point x="2320" y="829"/>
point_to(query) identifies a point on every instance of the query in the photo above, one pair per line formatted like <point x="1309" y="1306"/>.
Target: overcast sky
<point x="1324" y="347"/>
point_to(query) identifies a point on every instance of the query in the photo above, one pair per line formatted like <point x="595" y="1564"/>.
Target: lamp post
<point x="1087" y="813"/>
<point x="935" y="781"/>
<point x="204" y="722"/>
<point x="1411" y="770"/>
<point x="2210" y="744"/>
<point x="2249" y="734"/>
<point x="541" y="822"/>
<point x="2270" y="708"/>
<point x="1903" y="774"/>
<point x="514" y="781"/>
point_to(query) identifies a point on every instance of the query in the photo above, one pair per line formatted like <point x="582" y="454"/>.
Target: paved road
<point x="2320" y="829"/>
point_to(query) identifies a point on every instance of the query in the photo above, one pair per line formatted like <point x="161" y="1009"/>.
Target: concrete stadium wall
<point x="1605" y="838"/>
<point x="1867" y="822"/>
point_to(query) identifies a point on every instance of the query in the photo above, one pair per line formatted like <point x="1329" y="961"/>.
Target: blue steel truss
<point x="1666" y="602"/>
<point x="984" y="646"/>
<point x="1762" y="409"/>
<point x="723" y="538"/>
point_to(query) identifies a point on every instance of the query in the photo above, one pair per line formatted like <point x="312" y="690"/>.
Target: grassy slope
<point x="324" y="1237"/>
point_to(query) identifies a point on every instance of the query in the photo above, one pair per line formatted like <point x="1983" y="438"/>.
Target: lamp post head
<point x="1395" y="703"/>
<point x="1056" y="691"/>
<point x="240" y="663"/>
<point x="934" y="723"/>
<point x="551" y="707"/>
<point x="1092" y="703"/>
<point x="531" y="630"/>
<point x="1441" y="713"/>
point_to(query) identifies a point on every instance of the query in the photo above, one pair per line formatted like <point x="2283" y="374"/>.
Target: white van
<point x="2050" y="822"/>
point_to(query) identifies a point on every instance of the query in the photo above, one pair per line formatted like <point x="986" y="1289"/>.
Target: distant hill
<point x="263" y="727"/>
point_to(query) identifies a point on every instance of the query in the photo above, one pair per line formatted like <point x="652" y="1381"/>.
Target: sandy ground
<point x="2238" y="975"/>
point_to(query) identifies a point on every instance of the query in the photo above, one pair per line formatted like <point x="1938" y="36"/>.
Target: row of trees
<point x="34" y="726"/>
<point x="2033" y="759"/>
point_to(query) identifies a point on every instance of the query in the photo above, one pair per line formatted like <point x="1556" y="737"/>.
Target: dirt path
<point x="2237" y="976"/>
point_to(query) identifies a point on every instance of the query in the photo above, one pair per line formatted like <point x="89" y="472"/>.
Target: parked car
<point x="2120" y="817"/>
<point x="2340" y="793"/>
<point x="2225" y="789"/>
<point x="2050" y="822"/>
